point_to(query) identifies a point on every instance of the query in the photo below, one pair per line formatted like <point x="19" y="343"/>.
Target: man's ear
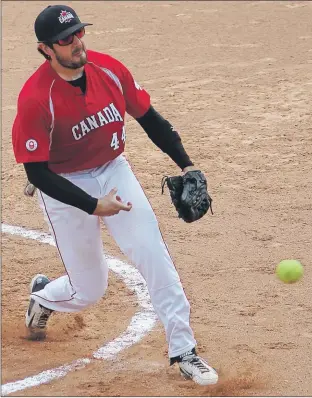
<point x="45" y="50"/>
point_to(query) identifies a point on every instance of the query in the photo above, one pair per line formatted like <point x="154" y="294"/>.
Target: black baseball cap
<point x="57" y="22"/>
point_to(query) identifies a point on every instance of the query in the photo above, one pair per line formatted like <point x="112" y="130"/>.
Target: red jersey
<point x="56" y="122"/>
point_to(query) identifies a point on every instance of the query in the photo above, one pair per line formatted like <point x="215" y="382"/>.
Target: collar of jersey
<point x="57" y="77"/>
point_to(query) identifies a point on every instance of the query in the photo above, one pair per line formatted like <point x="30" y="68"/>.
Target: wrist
<point x="93" y="205"/>
<point x="189" y="168"/>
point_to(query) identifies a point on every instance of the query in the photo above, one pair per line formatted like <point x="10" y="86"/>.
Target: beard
<point x="70" y="63"/>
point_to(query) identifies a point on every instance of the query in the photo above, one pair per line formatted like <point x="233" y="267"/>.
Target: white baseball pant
<point x="78" y="239"/>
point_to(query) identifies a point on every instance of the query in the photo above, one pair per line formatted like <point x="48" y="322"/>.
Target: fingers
<point x="121" y="207"/>
<point x="112" y="192"/>
<point x="125" y="207"/>
<point x="118" y="202"/>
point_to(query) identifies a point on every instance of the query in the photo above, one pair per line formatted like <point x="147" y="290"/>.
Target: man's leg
<point x="138" y="236"/>
<point x="78" y="240"/>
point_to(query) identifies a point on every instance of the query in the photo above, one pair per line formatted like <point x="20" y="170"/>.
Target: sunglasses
<point x="69" y="39"/>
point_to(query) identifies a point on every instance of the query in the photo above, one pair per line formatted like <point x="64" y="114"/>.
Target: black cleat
<point x="37" y="316"/>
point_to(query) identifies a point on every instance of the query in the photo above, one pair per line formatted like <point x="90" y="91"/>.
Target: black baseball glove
<point x="189" y="195"/>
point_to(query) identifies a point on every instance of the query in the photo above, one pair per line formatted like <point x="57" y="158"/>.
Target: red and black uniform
<point x="71" y="130"/>
<point x="63" y="127"/>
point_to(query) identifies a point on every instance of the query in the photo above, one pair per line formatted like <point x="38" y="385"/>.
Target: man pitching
<point x="69" y="133"/>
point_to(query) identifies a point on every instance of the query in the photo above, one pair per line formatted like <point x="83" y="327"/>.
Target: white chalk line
<point x="141" y="323"/>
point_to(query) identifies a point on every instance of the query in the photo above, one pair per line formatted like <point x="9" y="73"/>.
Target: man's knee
<point x="94" y="292"/>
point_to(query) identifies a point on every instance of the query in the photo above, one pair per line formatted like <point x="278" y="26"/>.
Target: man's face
<point x="72" y="56"/>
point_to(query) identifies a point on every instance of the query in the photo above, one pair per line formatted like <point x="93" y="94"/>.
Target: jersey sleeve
<point x="137" y="98"/>
<point x="30" y="132"/>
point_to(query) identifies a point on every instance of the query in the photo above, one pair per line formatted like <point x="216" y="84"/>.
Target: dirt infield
<point x="235" y="78"/>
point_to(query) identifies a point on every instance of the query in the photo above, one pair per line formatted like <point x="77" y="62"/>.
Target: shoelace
<point x="199" y="364"/>
<point x="44" y="318"/>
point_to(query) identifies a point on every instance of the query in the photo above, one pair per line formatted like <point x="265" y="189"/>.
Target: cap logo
<point x="65" y="16"/>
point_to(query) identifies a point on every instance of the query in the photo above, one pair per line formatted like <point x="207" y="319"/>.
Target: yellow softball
<point x="289" y="271"/>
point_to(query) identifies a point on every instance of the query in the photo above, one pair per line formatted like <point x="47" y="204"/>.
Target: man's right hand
<point x="110" y="205"/>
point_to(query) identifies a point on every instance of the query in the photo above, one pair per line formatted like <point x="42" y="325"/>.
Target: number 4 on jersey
<point x="123" y="136"/>
<point x="115" y="141"/>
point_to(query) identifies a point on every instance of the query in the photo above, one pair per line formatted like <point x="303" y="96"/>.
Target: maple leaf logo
<point x="65" y="16"/>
